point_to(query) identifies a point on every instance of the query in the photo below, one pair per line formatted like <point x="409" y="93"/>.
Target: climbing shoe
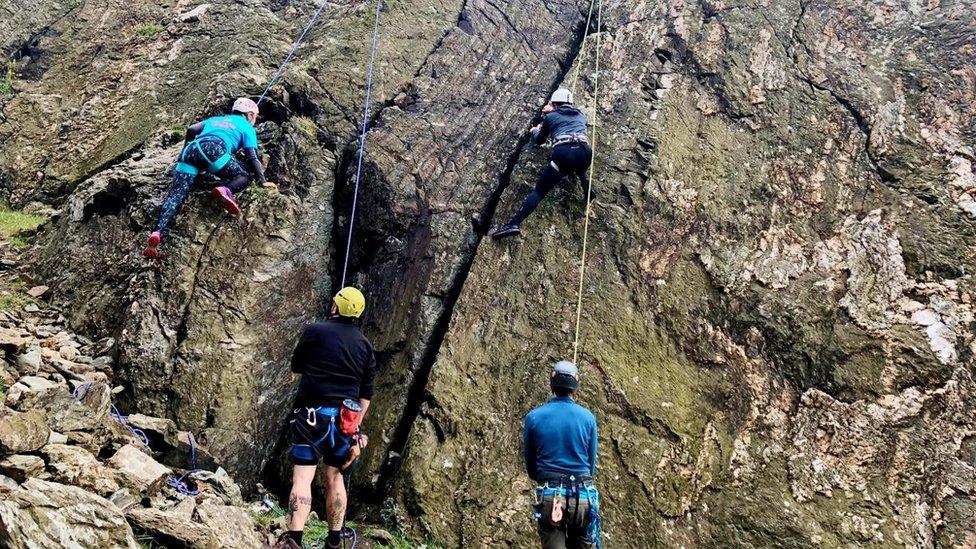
<point x="152" y="246"/>
<point x="285" y="542"/>
<point x="507" y="230"/>
<point x="226" y="197"/>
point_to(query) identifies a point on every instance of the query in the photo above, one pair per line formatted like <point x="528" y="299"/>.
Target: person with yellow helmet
<point x="337" y="367"/>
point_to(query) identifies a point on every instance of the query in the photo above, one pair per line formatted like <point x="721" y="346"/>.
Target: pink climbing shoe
<point x="152" y="246"/>
<point x="226" y="197"/>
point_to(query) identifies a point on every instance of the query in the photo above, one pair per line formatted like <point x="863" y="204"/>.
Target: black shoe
<point x="506" y="230"/>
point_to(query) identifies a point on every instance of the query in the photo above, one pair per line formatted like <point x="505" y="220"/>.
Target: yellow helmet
<point x="350" y="302"/>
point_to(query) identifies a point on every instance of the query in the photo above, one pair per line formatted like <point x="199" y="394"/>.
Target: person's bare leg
<point x="300" y="500"/>
<point x="335" y="503"/>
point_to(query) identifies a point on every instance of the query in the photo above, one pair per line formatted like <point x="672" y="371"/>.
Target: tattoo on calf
<point x="337" y="512"/>
<point x="294" y="501"/>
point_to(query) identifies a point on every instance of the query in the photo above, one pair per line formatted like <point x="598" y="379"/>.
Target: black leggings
<point x="566" y="159"/>
<point x="232" y="175"/>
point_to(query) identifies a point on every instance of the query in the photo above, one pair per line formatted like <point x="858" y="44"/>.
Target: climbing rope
<point x="82" y="390"/>
<point x="362" y="140"/>
<point x="586" y="28"/>
<point x="179" y="483"/>
<point x="291" y="53"/>
<point x="589" y="187"/>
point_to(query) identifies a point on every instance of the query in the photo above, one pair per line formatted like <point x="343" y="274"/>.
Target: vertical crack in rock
<point x="416" y="393"/>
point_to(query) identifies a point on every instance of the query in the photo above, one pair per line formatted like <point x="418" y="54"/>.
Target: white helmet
<point x="244" y="104"/>
<point x="562" y="95"/>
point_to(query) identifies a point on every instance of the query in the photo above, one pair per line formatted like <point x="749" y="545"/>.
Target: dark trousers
<point x="232" y="175"/>
<point x="566" y="159"/>
<point x="570" y="532"/>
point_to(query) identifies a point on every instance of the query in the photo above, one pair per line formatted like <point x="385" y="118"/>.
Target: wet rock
<point x="19" y="466"/>
<point x="22" y="432"/>
<point x="138" y="470"/>
<point x="78" y="467"/>
<point x="48" y="515"/>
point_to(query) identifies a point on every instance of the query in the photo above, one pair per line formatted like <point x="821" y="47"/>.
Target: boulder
<point x="37" y="291"/>
<point x="233" y="526"/>
<point x="123" y="499"/>
<point x="47" y="515"/>
<point x="22" y="432"/>
<point x="220" y="484"/>
<point x="138" y="470"/>
<point x="13" y="339"/>
<point x="76" y="466"/>
<point x="65" y="413"/>
<point x="20" y="466"/>
<point x="29" y="363"/>
<point x="172" y="530"/>
<point x="7" y="484"/>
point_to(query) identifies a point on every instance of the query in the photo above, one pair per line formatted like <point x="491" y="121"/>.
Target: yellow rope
<point x="586" y="28"/>
<point x="589" y="187"/>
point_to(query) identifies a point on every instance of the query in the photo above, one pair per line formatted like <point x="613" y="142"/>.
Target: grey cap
<point x="566" y="367"/>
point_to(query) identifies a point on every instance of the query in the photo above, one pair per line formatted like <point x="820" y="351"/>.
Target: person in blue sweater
<point x="565" y="126"/>
<point x="210" y="147"/>
<point x="560" y="446"/>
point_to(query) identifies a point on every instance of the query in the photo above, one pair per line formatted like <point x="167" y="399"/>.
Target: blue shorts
<point x="315" y="435"/>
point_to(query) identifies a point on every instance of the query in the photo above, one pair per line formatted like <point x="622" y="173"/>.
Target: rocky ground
<point x="778" y="337"/>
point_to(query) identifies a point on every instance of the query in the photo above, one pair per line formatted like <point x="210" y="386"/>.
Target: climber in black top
<point x="338" y="367"/>
<point x="565" y="125"/>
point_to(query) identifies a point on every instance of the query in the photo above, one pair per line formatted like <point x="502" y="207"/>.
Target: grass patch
<point x="13" y="225"/>
<point x="316" y="530"/>
<point x="7" y="80"/>
<point x="149" y="29"/>
<point x="14" y="301"/>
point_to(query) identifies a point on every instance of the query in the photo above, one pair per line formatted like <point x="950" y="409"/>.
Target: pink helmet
<point x="244" y="104"/>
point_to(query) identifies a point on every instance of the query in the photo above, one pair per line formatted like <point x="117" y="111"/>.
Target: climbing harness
<point x="570" y="138"/>
<point x="362" y="140"/>
<point x="589" y="187"/>
<point x="577" y="490"/>
<point x="291" y="52"/>
<point x="213" y="166"/>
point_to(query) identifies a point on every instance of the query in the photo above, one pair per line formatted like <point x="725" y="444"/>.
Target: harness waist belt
<point x="569" y="138"/>
<point x="549" y="476"/>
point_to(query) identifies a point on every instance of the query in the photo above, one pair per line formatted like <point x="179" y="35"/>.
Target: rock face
<point x="51" y="515"/>
<point x="777" y="332"/>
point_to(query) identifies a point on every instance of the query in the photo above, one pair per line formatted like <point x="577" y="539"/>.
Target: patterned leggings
<point x="232" y="175"/>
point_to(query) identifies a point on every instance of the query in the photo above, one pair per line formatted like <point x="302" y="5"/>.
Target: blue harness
<point x="585" y="491"/>
<point x="214" y="166"/>
<point x="310" y="451"/>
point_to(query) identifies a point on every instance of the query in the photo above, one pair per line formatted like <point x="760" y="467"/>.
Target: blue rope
<point x="291" y="53"/>
<point x="179" y="483"/>
<point x="82" y="390"/>
<point x="362" y="139"/>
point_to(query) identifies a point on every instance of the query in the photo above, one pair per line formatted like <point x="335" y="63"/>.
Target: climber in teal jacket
<point x="210" y="147"/>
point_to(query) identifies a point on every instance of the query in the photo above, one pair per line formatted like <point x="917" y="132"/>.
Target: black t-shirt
<point x="336" y="362"/>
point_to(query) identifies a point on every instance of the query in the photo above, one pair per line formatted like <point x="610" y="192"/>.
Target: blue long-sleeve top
<point x="565" y="120"/>
<point x="560" y="437"/>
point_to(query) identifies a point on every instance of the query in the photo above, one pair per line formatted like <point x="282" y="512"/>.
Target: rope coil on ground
<point x="589" y="187"/>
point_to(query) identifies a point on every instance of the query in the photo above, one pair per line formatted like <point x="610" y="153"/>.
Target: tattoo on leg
<point x="295" y="501"/>
<point x="337" y="513"/>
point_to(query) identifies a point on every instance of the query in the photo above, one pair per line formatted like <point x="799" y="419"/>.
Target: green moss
<point x="149" y="29"/>
<point x="7" y="81"/>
